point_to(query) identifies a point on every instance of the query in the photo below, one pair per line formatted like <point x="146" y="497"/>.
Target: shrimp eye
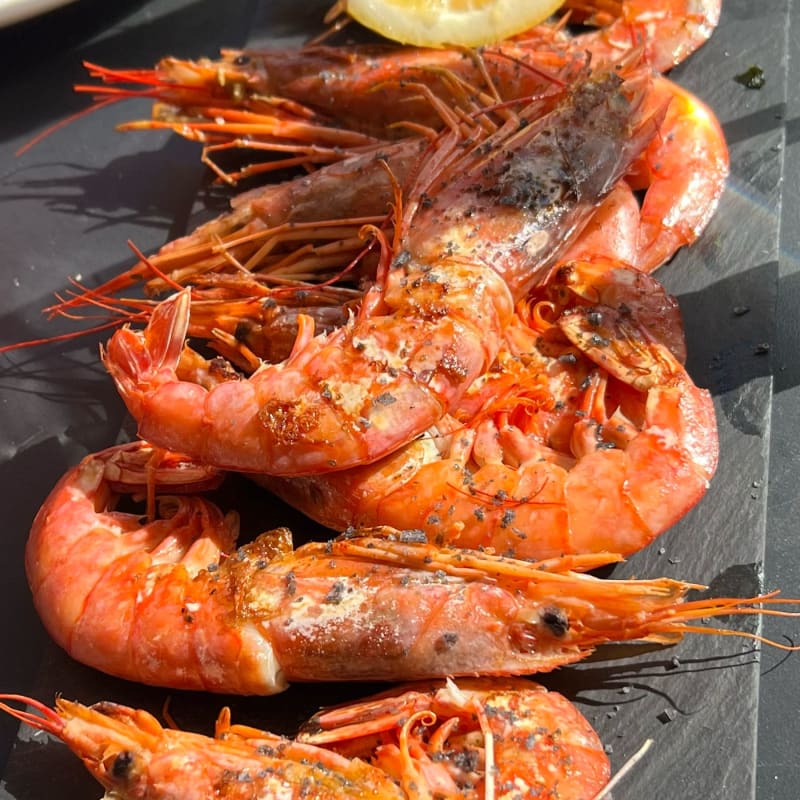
<point x="121" y="767"/>
<point x="555" y="620"/>
<point x="241" y="60"/>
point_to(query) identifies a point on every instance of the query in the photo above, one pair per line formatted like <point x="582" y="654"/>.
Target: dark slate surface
<point x="779" y="722"/>
<point x="70" y="204"/>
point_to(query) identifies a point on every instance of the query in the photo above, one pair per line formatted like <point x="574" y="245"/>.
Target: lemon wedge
<point x="436" y="23"/>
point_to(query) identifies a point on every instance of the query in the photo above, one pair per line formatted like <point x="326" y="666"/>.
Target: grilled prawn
<point x="174" y="602"/>
<point x="586" y="435"/>
<point x="486" y="216"/>
<point x="471" y="739"/>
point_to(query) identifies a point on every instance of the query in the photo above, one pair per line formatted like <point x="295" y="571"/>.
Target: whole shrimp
<point x="586" y="435"/>
<point x="247" y="320"/>
<point x="368" y="94"/>
<point x="264" y="97"/>
<point x="484" y="217"/>
<point x="249" y="292"/>
<point x="254" y="271"/>
<point x="471" y="739"/>
<point x="160" y="603"/>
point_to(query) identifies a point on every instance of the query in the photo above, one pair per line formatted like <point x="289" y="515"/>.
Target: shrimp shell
<point x="586" y="435"/>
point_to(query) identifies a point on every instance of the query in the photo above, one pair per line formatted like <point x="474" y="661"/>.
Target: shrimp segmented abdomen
<point x="586" y="435"/>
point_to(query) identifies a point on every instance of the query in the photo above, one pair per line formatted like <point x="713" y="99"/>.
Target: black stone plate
<point x="67" y="208"/>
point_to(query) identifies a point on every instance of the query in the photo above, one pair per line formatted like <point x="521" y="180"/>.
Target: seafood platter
<point x="503" y="337"/>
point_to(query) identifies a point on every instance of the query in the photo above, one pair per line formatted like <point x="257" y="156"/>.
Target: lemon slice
<point x="435" y="23"/>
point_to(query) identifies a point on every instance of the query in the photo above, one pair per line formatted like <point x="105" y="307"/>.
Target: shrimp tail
<point x="127" y="359"/>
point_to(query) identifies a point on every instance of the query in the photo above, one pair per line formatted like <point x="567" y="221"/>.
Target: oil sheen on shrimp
<point x="468" y="739"/>
<point x="586" y="435"/>
<point x="160" y="603"/>
<point x="484" y="218"/>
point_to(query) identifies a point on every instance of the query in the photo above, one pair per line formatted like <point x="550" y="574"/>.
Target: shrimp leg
<point x="500" y="732"/>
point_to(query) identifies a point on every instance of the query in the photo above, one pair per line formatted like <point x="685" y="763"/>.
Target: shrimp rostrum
<point x="485" y="216"/>
<point x="471" y="739"/>
<point x="162" y="603"/>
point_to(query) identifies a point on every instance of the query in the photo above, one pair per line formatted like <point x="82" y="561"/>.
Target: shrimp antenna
<point x="623" y="772"/>
<point x="336" y="18"/>
<point x="62" y="123"/>
<point x="103" y="97"/>
<point x="46" y="720"/>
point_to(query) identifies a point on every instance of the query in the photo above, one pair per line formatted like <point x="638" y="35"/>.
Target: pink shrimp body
<point x="159" y="603"/>
<point x="586" y="435"/>
<point x="453" y="740"/>
<point x="682" y="171"/>
<point x="612" y="232"/>
<point x="432" y="323"/>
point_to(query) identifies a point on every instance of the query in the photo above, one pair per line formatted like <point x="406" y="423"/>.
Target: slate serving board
<point x="69" y="205"/>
